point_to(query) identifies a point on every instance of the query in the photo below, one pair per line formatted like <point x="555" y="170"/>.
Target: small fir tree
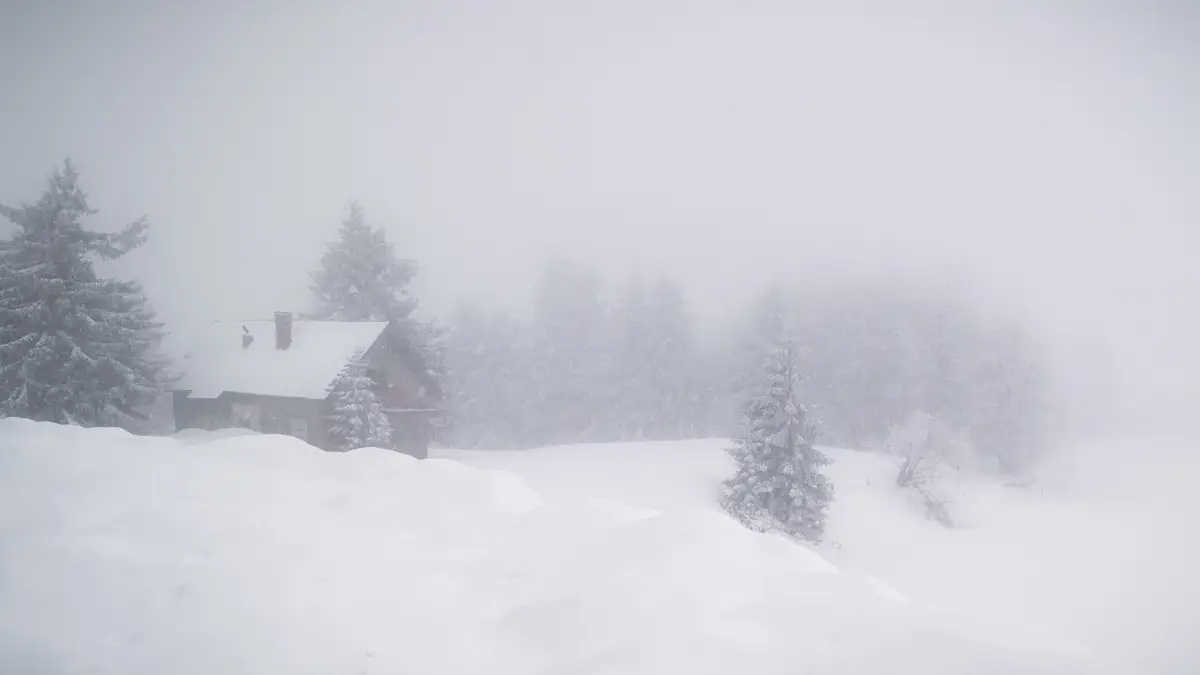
<point x="778" y="484"/>
<point x="75" y="348"/>
<point x="356" y="419"/>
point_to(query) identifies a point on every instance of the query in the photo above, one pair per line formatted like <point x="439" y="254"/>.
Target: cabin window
<point x="298" y="427"/>
<point x="378" y="376"/>
<point x="272" y="423"/>
<point x="246" y="415"/>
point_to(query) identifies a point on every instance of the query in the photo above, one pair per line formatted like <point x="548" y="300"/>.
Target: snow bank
<point x="260" y="554"/>
<point x="1101" y="549"/>
<point x="1108" y="564"/>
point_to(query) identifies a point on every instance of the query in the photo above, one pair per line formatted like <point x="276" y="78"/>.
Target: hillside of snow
<point x="1100" y="548"/>
<point x="259" y="554"/>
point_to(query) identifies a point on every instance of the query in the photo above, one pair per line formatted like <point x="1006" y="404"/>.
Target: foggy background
<point x="1048" y="158"/>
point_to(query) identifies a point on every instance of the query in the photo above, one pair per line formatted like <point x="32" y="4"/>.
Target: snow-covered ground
<point x="1102" y="548"/>
<point x="251" y="554"/>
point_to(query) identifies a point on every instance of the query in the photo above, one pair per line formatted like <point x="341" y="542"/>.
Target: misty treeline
<point x="581" y="363"/>
<point x="586" y="363"/>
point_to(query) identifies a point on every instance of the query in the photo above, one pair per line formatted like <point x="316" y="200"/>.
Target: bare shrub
<point x="929" y="448"/>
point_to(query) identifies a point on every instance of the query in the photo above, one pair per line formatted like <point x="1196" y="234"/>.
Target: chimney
<point x="283" y="330"/>
<point x="247" y="338"/>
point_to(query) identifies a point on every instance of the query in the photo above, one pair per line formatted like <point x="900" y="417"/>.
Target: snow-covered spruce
<point x="360" y="278"/>
<point x="649" y="382"/>
<point x="75" y="348"/>
<point x="355" y="417"/>
<point x="778" y="484"/>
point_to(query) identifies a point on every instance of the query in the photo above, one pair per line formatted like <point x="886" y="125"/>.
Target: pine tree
<point x="1011" y="404"/>
<point x="669" y="373"/>
<point x="762" y="329"/>
<point x="468" y="382"/>
<point x="75" y="348"/>
<point x="361" y="279"/>
<point x="567" y="335"/>
<point x="486" y="386"/>
<point x="356" y="419"/>
<point x="634" y="405"/>
<point x="778" y="484"/>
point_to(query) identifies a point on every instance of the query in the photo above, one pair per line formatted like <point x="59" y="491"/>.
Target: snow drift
<point x="1098" y="547"/>
<point x="260" y="554"/>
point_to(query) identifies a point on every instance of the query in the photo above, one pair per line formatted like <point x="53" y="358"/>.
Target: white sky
<point x="1052" y="157"/>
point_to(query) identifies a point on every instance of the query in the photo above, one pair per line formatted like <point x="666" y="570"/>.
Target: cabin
<point x="275" y="376"/>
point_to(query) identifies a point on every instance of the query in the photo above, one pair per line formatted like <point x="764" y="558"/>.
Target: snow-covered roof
<point x="319" y="350"/>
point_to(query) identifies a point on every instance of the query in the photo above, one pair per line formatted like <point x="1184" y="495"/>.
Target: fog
<point x="1039" y="160"/>
<point x="1046" y="157"/>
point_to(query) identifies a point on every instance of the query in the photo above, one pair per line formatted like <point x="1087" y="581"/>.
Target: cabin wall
<point x="302" y="418"/>
<point x="199" y="413"/>
<point x="410" y="433"/>
<point x="403" y="388"/>
<point x="299" y="417"/>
